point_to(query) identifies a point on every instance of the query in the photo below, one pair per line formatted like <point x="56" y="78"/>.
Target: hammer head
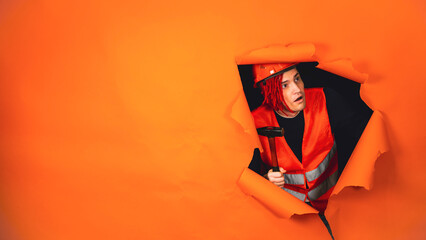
<point x="271" y="131"/>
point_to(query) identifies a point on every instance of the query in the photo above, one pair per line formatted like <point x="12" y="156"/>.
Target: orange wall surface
<point x="116" y="117"/>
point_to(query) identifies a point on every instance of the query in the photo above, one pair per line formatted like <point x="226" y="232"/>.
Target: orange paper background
<point x="117" y="117"/>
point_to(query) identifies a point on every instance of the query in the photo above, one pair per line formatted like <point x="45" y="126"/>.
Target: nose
<point x="295" y="88"/>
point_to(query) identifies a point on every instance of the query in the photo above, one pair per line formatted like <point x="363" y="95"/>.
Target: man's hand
<point x="276" y="178"/>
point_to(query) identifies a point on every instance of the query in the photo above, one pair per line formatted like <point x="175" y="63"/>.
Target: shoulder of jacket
<point x="314" y="90"/>
<point x="314" y="93"/>
<point x="261" y="110"/>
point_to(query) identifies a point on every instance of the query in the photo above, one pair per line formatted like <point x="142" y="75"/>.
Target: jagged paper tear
<point x="240" y="112"/>
<point x="360" y="168"/>
<point x="297" y="52"/>
<point x="344" y="68"/>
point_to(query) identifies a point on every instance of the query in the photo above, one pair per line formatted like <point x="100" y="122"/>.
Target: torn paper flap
<point x="344" y="68"/>
<point x="360" y="167"/>
<point x="240" y="113"/>
<point x="297" y="52"/>
<point x="280" y="202"/>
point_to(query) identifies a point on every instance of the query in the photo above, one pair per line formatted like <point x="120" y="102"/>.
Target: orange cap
<point x="266" y="71"/>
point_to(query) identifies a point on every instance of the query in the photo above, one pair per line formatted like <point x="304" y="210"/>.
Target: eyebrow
<point x="295" y="75"/>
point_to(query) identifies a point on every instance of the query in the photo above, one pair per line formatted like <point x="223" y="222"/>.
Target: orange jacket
<point x="312" y="180"/>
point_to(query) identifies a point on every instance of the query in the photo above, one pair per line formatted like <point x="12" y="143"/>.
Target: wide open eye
<point x="284" y="85"/>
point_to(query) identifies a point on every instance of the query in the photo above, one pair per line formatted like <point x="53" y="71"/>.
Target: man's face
<point x="293" y="91"/>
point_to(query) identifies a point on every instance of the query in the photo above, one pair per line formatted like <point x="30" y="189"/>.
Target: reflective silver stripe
<point x="298" y="195"/>
<point x="323" y="187"/>
<point x="295" y="179"/>
<point x="314" y="174"/>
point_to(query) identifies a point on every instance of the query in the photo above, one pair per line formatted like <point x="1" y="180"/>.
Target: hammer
<point x="272" y="133"/>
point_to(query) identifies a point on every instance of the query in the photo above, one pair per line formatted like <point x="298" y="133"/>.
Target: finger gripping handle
<point x="275" y="169"/>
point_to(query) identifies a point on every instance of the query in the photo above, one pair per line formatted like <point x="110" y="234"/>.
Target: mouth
<point x="299" y="99"/>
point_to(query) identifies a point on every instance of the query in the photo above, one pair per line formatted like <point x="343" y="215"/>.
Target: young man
<point x="311" y="118"/>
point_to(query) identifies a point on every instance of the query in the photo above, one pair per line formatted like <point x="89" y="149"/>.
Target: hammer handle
<point x="275" y="167"/>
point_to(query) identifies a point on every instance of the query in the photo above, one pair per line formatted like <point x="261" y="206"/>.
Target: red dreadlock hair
<point x="272" y="91"/>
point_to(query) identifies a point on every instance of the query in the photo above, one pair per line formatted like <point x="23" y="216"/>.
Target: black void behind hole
<point x="313" y="78"/>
